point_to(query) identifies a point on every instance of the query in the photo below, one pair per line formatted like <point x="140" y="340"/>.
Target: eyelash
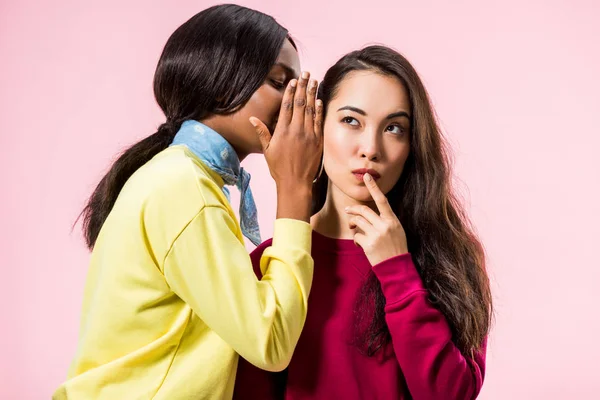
<point x="399" y="127"/>
<point x="277" y="84"/>
<point x="349" y="120"/>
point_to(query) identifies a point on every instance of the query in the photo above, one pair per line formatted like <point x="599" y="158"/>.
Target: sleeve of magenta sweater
<point x="432" y="365"/>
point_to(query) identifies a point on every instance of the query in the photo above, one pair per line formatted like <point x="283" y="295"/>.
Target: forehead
<point x="288" y="56"/>
<point x="372" y="92"/>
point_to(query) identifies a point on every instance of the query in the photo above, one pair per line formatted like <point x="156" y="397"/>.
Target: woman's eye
<point x="395" y="129"/>
<point x="350" y="121"/>
<point x="277" y="84"/>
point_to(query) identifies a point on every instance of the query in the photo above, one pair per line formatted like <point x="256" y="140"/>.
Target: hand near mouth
<point x="380" y="236"/>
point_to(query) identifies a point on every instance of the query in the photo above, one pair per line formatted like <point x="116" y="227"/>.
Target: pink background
<point x="515" y="85"/>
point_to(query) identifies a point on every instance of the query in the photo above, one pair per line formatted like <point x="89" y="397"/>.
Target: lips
<point x="360" y="173"/>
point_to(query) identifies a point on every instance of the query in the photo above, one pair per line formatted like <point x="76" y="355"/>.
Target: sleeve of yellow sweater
<point x="210" y="269"/>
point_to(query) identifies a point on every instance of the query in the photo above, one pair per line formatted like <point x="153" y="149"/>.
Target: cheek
<point x="264" y="104"/>
<point x="396" y="168"/>
<point x="269" y="101"/>
<point x="337" y="149"/>
<point x="401" y="157"/>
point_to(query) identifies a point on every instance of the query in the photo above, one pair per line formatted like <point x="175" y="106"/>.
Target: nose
<point x="370" y="148"/>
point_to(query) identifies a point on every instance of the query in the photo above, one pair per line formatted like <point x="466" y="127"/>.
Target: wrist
<point x="294" y="202"/>
<point x="301" y="190"/>
<point x="381" y="257"/>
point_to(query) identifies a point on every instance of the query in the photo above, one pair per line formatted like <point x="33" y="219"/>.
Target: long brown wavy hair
<point x="447" y="253"/>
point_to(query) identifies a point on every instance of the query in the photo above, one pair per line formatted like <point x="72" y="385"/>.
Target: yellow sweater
<point x="171" y="298"/>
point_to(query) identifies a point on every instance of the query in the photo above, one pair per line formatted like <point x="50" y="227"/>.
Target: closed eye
<point x="277" y="84"/>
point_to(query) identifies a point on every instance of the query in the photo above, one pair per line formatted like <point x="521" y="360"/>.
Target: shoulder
<point x="170" y="191"/>
<point x="175" y="180"/>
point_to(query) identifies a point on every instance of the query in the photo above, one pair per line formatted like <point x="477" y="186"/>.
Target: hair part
<point x="446" y="251"/>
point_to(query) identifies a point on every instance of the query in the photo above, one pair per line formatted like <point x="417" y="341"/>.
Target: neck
<point x="332" y="220"/>
<point x="217" y="124"/>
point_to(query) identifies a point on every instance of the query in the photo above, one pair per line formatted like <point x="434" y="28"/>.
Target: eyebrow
<point x="288" y="70"/>
<point x="363" y="113"/>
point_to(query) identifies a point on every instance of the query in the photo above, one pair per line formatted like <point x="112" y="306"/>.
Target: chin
<point x="255" y="148"/>
<point x="360" y="194"/>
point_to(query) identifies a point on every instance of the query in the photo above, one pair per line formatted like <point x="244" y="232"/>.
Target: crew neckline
<point x="332" y="245"/>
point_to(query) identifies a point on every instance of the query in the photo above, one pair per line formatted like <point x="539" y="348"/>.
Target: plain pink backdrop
<point x="516" y="88"/>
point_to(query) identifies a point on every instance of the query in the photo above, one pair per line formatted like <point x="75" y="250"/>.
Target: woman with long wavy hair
<point x="400" y="305"/>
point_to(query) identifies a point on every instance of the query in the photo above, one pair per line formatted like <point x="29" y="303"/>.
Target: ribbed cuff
<point x="292" y="233"/>
<point x="398" y="277"/>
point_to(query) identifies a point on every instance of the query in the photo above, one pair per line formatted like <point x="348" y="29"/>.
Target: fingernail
<point x="347" y="209"/>
<point x="368" y="178"/>
<point x="305" y="75"/>
<point x="254" y="124"/>
<point x="311" y="84"/>
<point x="293" y="83"/>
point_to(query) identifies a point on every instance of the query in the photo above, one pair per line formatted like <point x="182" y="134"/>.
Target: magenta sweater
<point x="421" y="362"/>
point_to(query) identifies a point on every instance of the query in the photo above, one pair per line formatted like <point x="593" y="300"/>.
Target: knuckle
<point x="288" y="105"/>
<point x="310" y="110"/>
<point x="301" y="102"/>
